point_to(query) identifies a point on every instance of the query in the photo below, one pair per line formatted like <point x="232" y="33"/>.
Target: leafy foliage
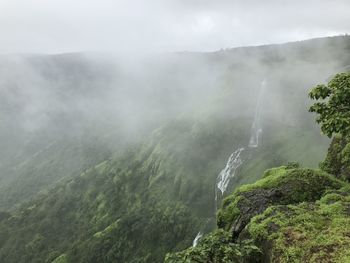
<point x="333" y="106"/>
<point x="216" y="247"/>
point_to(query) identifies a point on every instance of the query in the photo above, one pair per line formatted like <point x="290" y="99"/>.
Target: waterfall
<point x="256" y="126"/>
<point x="236" y="160"/>
<point x="197" y="238"/>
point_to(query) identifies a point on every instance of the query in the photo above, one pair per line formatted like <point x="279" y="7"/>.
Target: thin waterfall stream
<point x="236" y="159"/>
<point x="256" y="126"/>
<point x="197" y="238"/>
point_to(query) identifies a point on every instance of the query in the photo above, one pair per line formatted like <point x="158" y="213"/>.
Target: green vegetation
<point x="56" y="161"/>
<point x="308" y="232"/>
<point x="337" y="160"/>
<point x="279" y="186"/>
<point x="97" y="218"/>
<point x="334" y="109"/>
<point x="217" y="247"/>
<point x="135" y="207"/>
<point x="296" y="215"/>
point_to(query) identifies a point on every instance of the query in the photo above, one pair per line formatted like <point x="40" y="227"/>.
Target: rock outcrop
<point x="280" y="186"/>
<point x="306" y="232"/>
<point x="290" y="215"/>
<point x="337" y="161"/>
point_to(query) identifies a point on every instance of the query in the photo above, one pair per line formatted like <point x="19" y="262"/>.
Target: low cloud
<point x="57" y="26"/>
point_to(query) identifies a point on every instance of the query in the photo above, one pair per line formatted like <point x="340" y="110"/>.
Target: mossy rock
<point x="337" y="161"/>
<point x="305" y="232"/>
<point x="279" y="186"/>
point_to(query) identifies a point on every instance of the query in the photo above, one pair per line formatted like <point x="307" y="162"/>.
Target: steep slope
<point x="106" y="214"/>
<point x="136" y="207"/>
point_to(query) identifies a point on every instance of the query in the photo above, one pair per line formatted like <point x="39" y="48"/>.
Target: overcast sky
<point x="55" y="26"/>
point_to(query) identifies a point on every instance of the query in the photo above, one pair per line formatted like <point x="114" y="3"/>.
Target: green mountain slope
<point x="133" y="208"/>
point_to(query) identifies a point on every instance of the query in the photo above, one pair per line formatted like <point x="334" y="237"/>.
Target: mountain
<point x="111" y="160"/>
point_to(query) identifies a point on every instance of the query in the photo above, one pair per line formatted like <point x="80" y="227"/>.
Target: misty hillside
<point x="107" y="159"/>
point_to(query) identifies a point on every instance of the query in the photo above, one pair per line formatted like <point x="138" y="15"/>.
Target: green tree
<point x="333" y="105"/>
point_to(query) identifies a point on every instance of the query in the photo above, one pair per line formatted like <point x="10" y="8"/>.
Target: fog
<point x="103" y="94"/>
<point x="133" y="94"/>
<point x="58" y="26"/>
<point x="82" y="81"/>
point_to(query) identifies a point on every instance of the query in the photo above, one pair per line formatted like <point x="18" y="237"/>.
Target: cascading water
<point x="236" y="160"/>
<point x="196" y="239"/>
<point x="256" y="126"/>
